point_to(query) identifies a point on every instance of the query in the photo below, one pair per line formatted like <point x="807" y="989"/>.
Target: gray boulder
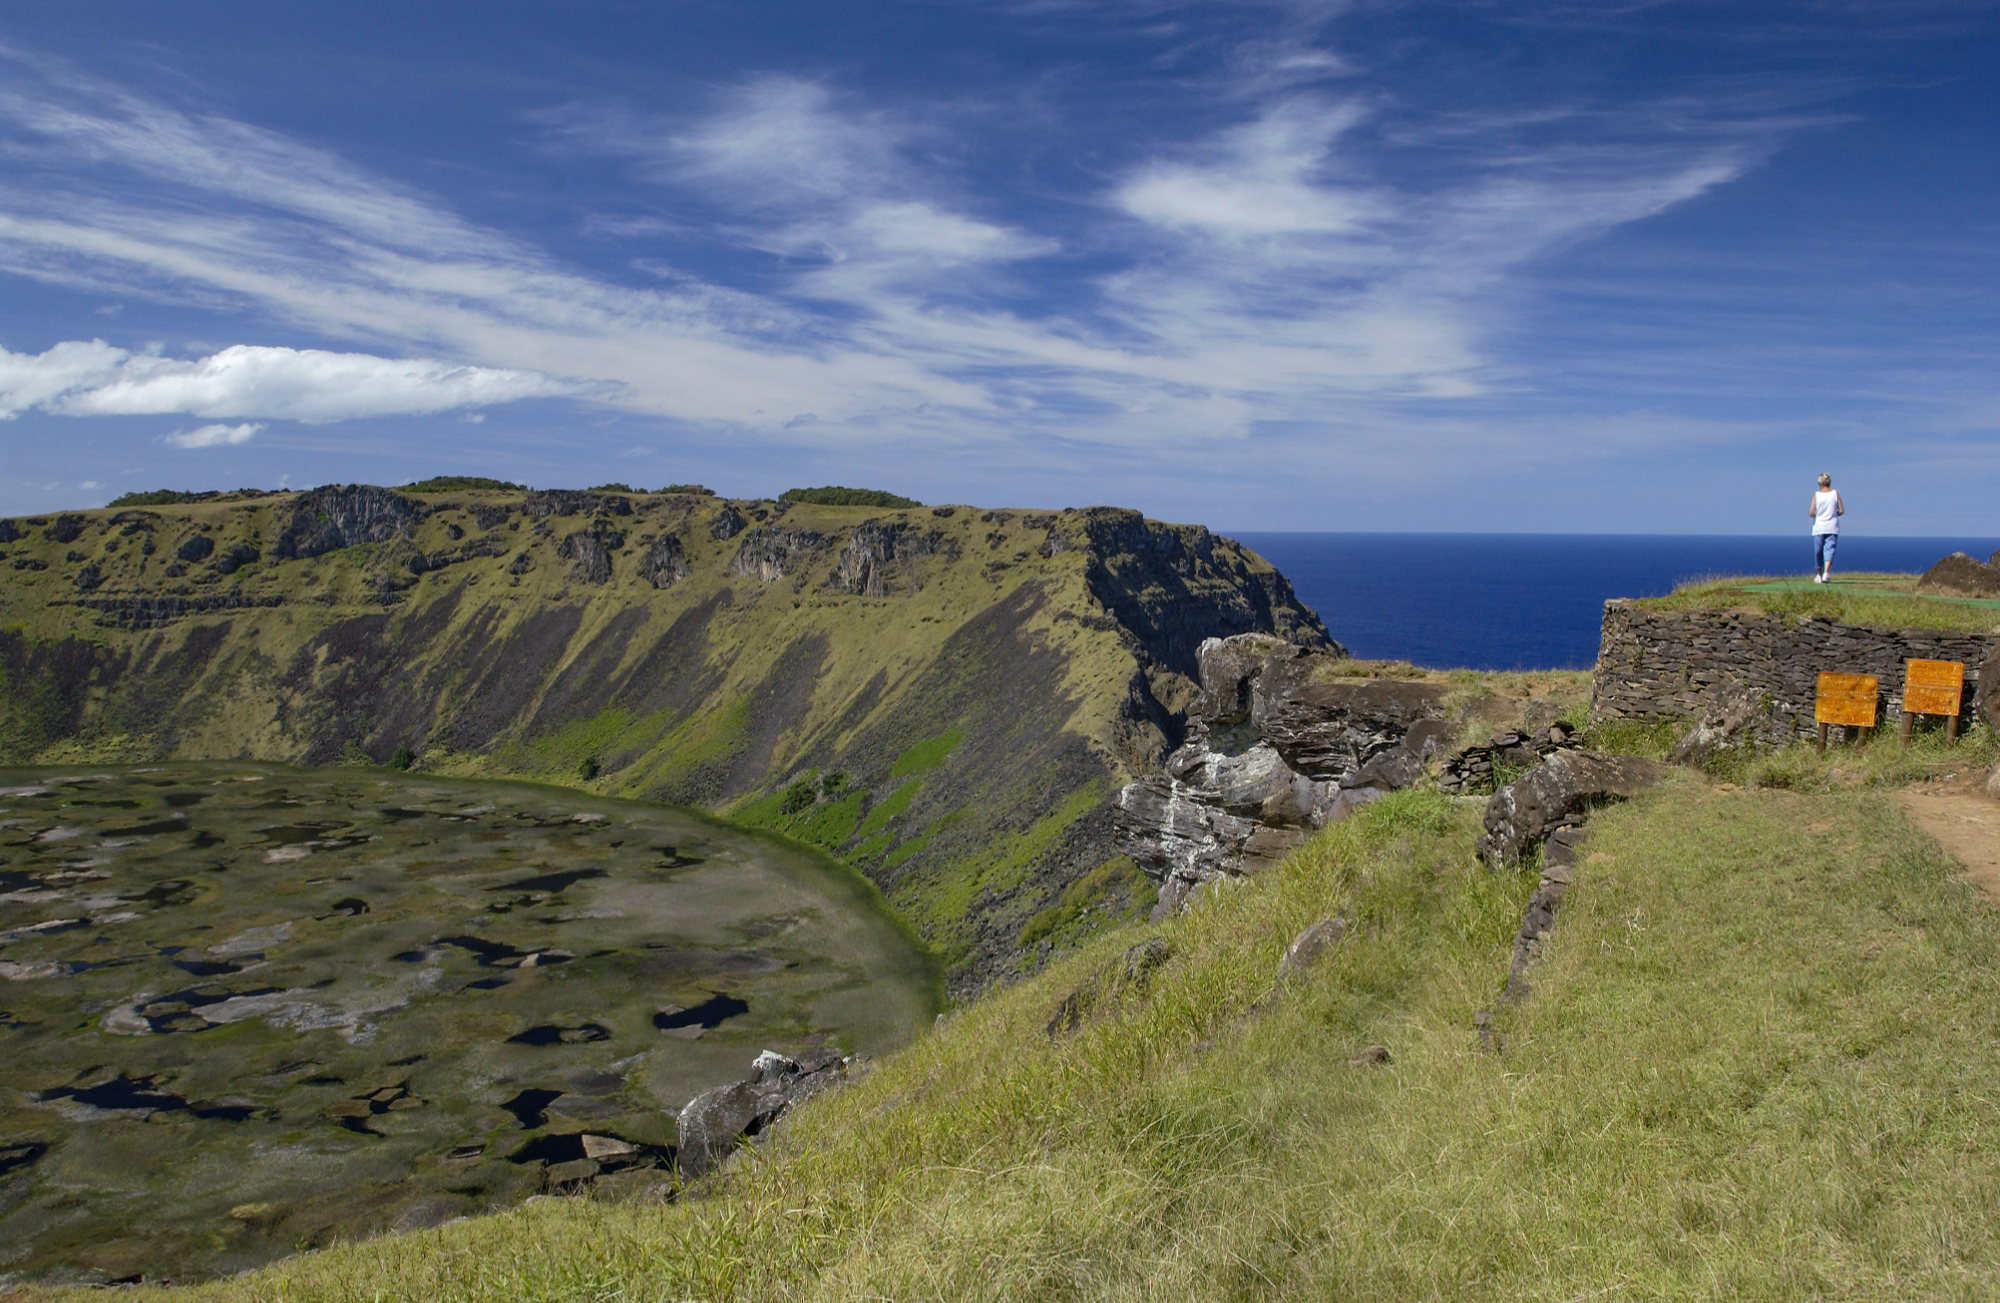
<point x="1962" y="576"/>
<point x="664" y="562"/>
<point x="1731" y="709"/>
<point x="1559" y="792"/>
<point x="716" y="1121"/>
<point x="1328" y="729"/>
<point x="1312" y="945"/>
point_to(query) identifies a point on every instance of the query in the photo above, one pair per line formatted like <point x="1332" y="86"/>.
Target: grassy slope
<point x="716" y="691"/>
<point x="1878" y="600"/>
<point x="1757" y="1065"/>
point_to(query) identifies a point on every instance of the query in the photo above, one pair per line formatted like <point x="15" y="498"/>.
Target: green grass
<point x="1758" y="1064"/>
<point x="1877" y="600"/>
<point x="928" y="754"/>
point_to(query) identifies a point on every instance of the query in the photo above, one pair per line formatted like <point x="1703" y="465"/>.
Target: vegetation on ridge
<point x="834" y="496"/>
<point x="1883" y="601"/>
<point x="1755" y="1066"/>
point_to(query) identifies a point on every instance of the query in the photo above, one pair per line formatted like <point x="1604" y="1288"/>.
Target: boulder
<point x="1328" y="729"/>
<point x="195" y="548"/>
<point x="592" y="558"/>
<point x="1399" y="767"/>
<point x="1961" y="576"/>
<point x="1559" y="792"/>
<point x="716" y="1121"/>
<point x="1179" y="839"/>
<point x="1227" y="668"/>
<point x="728" y="523"/>
<point x="1731" y="709"/>
<point x="66" y="529"/>
<point x="1312" y="945"/>
<point x="1986" y="693"/>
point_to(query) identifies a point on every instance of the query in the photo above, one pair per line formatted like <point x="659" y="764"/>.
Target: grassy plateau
<point x="1758" y="1063"/>
<point x="1881" y="600"/>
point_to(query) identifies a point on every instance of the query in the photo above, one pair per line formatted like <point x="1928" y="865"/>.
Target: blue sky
<point x="1621" y="267"/>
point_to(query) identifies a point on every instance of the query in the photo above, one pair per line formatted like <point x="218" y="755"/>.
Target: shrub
<point x="834" y="496"/>
<point x="403" y="758"/>
<point x="461" y="484"/>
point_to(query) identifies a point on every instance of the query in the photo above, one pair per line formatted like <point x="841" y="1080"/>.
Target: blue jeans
<point x="1823" y="545"/>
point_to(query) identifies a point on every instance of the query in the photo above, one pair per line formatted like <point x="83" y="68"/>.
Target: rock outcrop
<point x="1961" y="576"/>
<point x="1558" y="793"/>
<point x="665" y="562"/>
<point x="716" y="1121"/>
<point x="1276" y="746"/>
<point x="771" y="552"/>
<point x="571" y="502"/>
<point x="337" y="516"/>
<point x="880" y="555"/>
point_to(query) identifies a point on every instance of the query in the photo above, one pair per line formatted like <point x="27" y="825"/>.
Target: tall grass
<point x="1758" y="1064"/>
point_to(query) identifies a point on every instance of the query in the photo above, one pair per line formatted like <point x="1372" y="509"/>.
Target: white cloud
<point x="1264" y="273"/>
<point x="95" y="379"/>
<point x="211" y="436"/>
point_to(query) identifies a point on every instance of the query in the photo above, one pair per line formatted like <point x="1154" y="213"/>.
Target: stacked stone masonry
<point x="1663" y="664"/>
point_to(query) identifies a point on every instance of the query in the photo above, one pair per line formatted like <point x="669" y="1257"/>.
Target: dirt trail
<point x="1966" y="822"/>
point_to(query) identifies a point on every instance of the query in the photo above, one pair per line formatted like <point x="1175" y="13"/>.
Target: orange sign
<point x="1933" y="687"/>
<point x="1846" y="699"/>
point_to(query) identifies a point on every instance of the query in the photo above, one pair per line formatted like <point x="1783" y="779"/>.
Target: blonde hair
<point x="1824" y="478"/>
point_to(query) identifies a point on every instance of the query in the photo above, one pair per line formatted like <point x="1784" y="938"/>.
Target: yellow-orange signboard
<point x="1846" y="699"/>
<point x="1933" y="687"/>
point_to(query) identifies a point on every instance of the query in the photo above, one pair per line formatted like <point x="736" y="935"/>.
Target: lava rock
<point x="1330" y="729"/>
<point x="716" y="1121"/>
<point x="878" y="551"/>
<point x="337" y="516"/>
<point x="1312" y="945"/>
<point x="1962" y="576"/>
<point x="571" y="502"/>
<point x="664" y="561"/>
<point x="728" y="523"/>
<point x="771" y="552"/>
<point x="66" y="529"/>
<point x="1730" y="710"/>
<point x="195" y="549"/>
<point x="1559" y="791"/>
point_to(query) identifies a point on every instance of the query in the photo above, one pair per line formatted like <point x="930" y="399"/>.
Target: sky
<point x="1566" y="266"/>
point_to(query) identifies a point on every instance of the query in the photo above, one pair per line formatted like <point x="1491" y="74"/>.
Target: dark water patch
<point x="553" y="883"/>
<point x="350" y="906"/>
<point x="205" y="839"/>
<point x="181" y="800"/>
<point x="466" y="1151"/>
<point x="411" y="956"/>
<point x="18" y="880"/>
<point x="139" y="1094"/>
<point x="324" y="1080"/>
<point x="176" y="1012"/>
<point x="121" y="803"/>
<point x="399" y="814"/>
<point x="498" y="954"/>
<point x="708" y="1015"/>
<point x="488" y="983"/>
<point x="671" y="858"/>
<point x="177" y="823"/>
<point x="531" y="1107"/>
<point x="292" y="834"/>
<point x="355" y="1112"/>
<point x="406" y="1062"/>
<point x="213" y="967"/>
<point x="551" y="1034"/>
<point x="168" y="891"/>
<point x="553" y="1150"/>
<point x="20" y="1153"/>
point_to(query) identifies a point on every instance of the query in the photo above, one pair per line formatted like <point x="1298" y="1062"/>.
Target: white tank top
<point x="1826" y="520"/>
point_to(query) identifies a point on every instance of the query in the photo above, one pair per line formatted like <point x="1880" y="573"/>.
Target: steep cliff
<point x="946" y="697"/>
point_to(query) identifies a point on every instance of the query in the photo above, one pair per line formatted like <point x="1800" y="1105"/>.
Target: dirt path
<point x="1966" y="822"/>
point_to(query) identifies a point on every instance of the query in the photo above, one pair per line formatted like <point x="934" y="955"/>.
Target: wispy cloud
<point x="212" y="436"/>
<point x="1249" y="275"/>
<point x="95" y="379"/>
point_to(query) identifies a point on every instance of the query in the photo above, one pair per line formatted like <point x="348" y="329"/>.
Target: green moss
<point x="1115" y="892"/>
<point x="928" y="754"/>
<point x="897" y="802"/>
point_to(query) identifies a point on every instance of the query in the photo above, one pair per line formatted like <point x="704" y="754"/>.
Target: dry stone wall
<point x="1656" y="664"/>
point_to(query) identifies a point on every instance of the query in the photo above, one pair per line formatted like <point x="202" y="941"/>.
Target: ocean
<point x="1532" y="601"/>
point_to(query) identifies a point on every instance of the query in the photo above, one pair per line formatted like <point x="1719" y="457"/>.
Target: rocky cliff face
<point x="1279" y="742"/>
<point x="947" y="699"/>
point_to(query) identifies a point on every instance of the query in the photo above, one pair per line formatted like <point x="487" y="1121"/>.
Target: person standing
<point x="1826" y="511"/>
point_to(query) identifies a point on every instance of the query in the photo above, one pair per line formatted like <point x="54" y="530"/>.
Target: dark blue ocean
<point x="1532" y="601"/>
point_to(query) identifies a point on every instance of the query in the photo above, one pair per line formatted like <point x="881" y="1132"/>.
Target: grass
<point x="1757" y="1065"/>
<point x="1876" y="600"/>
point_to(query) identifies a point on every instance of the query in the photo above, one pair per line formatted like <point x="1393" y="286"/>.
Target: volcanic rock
<point x="1560" y="791"/>
<point x="1961" y="576"/>
<point x="714" y="1122"/>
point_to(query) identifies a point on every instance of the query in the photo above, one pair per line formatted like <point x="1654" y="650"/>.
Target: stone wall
<point x="1655" y="664"/>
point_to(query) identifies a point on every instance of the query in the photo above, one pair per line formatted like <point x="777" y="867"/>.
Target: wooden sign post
<point x="1933" y="688"/>
<point x="1847" y="699"/>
